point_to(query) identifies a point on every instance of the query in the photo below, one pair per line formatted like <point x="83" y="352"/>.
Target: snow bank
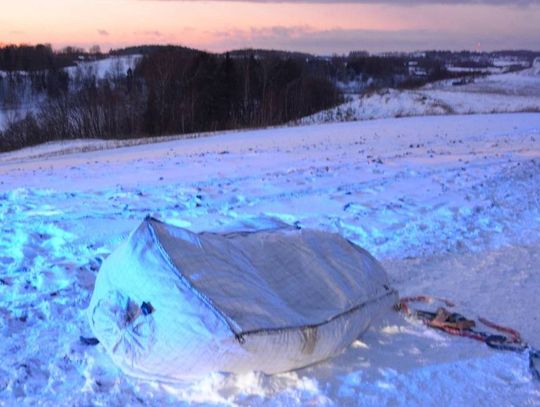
<point x="511" y="92"/>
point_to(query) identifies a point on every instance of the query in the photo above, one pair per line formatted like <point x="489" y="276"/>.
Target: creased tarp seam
<point x="329" y="320"/>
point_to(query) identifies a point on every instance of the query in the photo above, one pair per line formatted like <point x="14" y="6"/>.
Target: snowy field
<point x="449" y="204"/>
<point x="115" y="66"/>
<point x="502" y="93"/>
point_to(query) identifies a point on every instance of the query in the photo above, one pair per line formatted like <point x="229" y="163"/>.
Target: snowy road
<point x="449" y="204"/>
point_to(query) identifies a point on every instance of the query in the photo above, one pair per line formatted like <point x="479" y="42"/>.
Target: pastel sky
<point x="317" y="26"/>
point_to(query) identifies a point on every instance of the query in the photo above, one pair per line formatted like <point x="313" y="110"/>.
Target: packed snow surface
<point x="449" y="204"/>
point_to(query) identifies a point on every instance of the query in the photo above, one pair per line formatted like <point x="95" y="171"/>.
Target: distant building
<point x="416" y="70"/>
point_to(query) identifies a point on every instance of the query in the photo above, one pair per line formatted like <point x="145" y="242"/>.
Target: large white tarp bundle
<point x="171" y="304"/>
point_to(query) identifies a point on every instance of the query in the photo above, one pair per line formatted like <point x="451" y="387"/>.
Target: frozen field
<point x="502" y="93"/>
<point x="107" y="67"/>
<point x="449" y="204"/>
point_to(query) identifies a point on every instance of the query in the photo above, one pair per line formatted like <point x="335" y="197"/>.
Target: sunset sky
<point x="317" y="26"/>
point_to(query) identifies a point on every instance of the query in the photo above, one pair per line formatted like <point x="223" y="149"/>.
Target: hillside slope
<point x="503" y="93"/>
<point x="449" y="204"/>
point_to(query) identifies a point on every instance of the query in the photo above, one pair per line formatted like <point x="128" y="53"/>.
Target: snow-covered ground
<point x="110" y="66"/>
<point x="449" y="204"/>
<point x="502" y="93"/>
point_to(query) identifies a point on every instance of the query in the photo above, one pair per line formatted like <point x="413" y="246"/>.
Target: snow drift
<point x="170" y="304"/>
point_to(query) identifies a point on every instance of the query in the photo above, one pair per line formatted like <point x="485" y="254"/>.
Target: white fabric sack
<point x="170" y="304"/>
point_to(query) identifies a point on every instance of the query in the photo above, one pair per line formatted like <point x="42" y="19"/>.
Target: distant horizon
<point x="320" y="27"/>
<point x="107" y="51"/>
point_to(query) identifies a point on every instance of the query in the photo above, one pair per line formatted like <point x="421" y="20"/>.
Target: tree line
<point x="175" y="90"/>
<point x="178" y="90"/>
<point x="35" y="57"/>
